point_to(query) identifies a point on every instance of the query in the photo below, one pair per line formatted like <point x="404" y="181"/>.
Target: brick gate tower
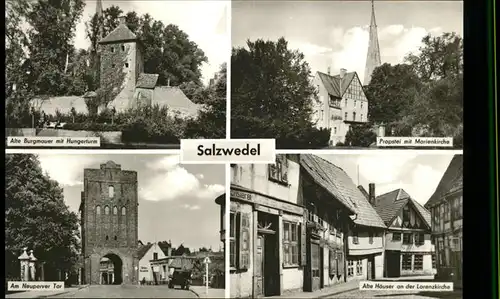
<point x="108" y="211"/>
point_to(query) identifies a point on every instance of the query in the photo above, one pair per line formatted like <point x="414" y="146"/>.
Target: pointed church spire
<point x="373" y="56"/>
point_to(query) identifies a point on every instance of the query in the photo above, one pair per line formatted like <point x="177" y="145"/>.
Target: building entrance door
<point x="370" y="267"/>
<point x="393" y="263"/>
<point x="315" y="266"/>
<point x="259" y="266"/>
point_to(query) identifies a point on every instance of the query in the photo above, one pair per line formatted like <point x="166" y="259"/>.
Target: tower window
<point x="111" y="191"/>
<point x="126" y="64"/>
<point x="113" y="65"/>
<point x="116" y="238"/>
<point x="107" y="238"/>
<point x="98" y="210"/>
<point x="115" y="211"/>
<point x="123" y="48"/>
<point x="106" y="210"/>
<point x="112" y="49"/>
<point x="124" y="211"/>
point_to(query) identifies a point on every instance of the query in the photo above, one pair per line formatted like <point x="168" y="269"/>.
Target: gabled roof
<point x="121" y="34"/>
<point x="333" y="83"/>
<point x="451" y="181"/>
<point x="389" y="204"/>
<point x="141" y="252"/>
<point x="147" y="80"/>
<point x="363" y="191"/>
<point x="336" y="181"/>
<point x="175" y="99"/>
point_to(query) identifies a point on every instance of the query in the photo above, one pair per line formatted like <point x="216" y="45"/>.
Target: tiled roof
<point x="121" y="34"/>
<point x="332" y="83"/>
<point x="452" y="179"/>
<point x="147" y="80"/>
<point x="175" y="99"/>
<point x="336" y="181"/>
<point x="365" y="194"/>
<point x="143" y="250"/>
<point x="389" y="204"/>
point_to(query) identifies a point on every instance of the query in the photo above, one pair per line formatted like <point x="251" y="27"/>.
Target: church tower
<point x="109" y="224"/>
<point x="373" y="57"/>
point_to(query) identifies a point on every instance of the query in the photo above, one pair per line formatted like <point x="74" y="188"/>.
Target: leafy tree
<point x="391" y="92"/>
<point x="211" y="121"/>
<point x="181" y="250"/>
<point x="52" y="29"/>
<point x="17" y="92"/>
<point x="272" y="95"/>
<point x="439" y="57"/>
<point x="360" y="135"/>
<point x="37" y="217"/>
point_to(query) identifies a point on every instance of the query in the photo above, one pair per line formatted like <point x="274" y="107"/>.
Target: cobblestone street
<point x="398" y="295"/>
<point x="127" y="292"/>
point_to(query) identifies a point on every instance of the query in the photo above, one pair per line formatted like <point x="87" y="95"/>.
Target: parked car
<point x="60" y="125"/>
<point x="181" y="278"/>
<point x="52" y="125"/>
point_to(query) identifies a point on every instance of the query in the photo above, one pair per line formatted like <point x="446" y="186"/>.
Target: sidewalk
<point x="43" y="294"/>
<point x="200" y="291"/>
<point x="325" y="292"/>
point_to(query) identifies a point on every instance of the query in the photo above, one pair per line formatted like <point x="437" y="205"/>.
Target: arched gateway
<point x="108" y="213"/>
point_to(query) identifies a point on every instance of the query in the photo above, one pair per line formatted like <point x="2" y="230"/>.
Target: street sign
<point x="207" y="260"/>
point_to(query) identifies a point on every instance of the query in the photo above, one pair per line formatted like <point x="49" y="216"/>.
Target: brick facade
<point x="109" y="220"/>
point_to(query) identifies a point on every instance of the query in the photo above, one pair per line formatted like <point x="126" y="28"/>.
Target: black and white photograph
<point x="339" y="74"/>
<point x="317" y="226"/>
<point x="136" y="74"/>
<point x="114" y="225"/>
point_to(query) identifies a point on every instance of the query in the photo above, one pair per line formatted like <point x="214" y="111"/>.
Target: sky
<point x="417" y="173"/>
<point x="204" y="22"/>
<point x="176" y="202"/>
<point x="335" y="33"/>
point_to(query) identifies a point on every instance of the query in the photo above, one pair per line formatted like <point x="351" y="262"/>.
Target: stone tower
<point x="109" y="212"/>
<point x="120" y="51"/>
<point x="373" y="56"/>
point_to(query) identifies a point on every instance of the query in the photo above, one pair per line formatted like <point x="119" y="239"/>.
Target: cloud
<point x="171" y="181"/>
<point x="65" y="169"/>
<point x="383" y="169"/>
<point x="309" y="49"/>
<point x="191" y="207"/>
<point x="210" y="191"/>
<point x="395" y="42"/>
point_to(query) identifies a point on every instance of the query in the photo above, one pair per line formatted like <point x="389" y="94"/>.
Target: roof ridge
<point x="387" y="193"/>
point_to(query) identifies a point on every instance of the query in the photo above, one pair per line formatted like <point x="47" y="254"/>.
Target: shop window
<point x="279" y="171"/>
<point x="350" y="268"/>
<point x="359" y="267"/>
<point x="407" y="239"/>
<point x="406" y="263"/>
<point x="418" y="263"/>
<point x="396" y="237"/>
<point x="290" y="244"/>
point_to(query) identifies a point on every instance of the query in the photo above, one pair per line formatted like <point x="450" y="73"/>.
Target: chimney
<point x="122" y="20"/>
<point x="342" y="73"/>
<point x="328" y="71"/>
<point x="371" y="194"/>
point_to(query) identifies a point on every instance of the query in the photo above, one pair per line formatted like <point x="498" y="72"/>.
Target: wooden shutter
<point x="333" y="262"/>
<point x="340" y="263"/>
<point x="303" y="245"/>
<point x="244" y="258"/>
